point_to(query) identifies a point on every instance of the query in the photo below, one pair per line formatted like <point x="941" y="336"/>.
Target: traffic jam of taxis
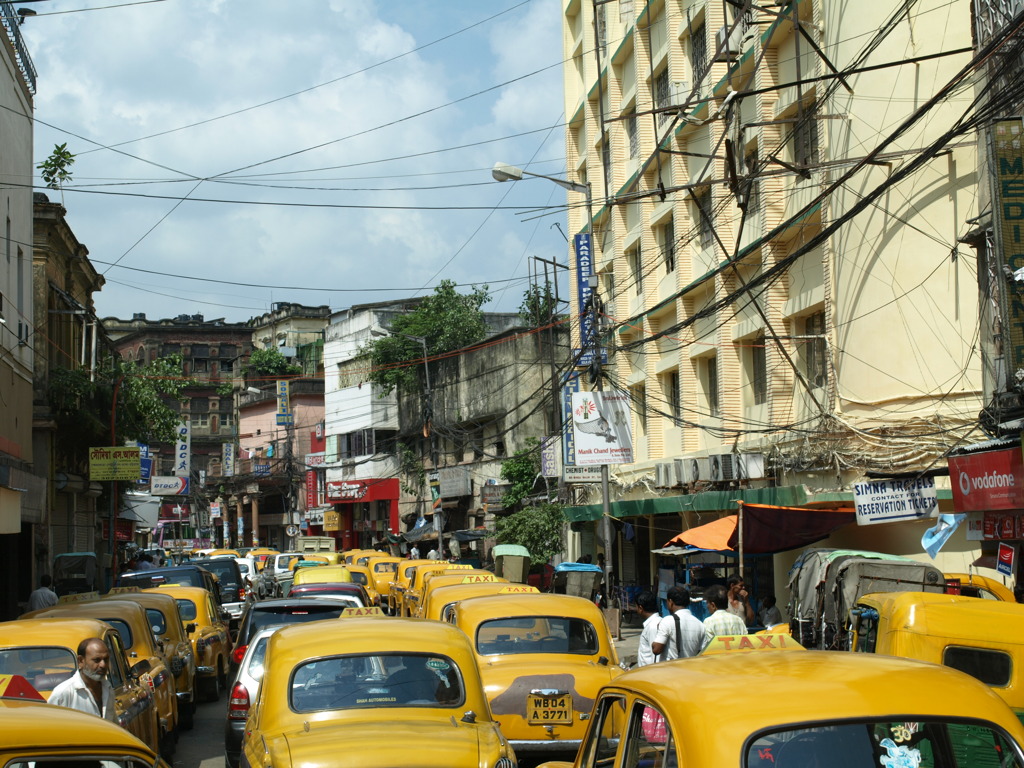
<point x="363" y="659"/>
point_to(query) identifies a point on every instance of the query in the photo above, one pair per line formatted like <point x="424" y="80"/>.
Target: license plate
<point x="548" y="710"/>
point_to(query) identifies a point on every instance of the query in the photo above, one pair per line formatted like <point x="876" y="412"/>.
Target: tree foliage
<point x="269" y="364"/>
<point x="538" y="528"/>
<point x="538" y="306"/>
<point x="446" y="321"/>
<point x="521" y="470"/>
<point x="56" y="169"/>
<point x="139" y="395"/>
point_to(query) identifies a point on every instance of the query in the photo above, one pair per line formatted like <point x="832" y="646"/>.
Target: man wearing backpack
<point x="680" y="634"/>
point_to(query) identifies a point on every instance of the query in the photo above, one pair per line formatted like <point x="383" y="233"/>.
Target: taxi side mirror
<point x="190" y="628"/>
<point x="225" y="616"/>
<point x="140" y="668"/>
<point x="602" y="660"/>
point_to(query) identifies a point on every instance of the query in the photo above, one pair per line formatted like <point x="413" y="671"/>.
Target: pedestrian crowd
<point x="681" y="635"/>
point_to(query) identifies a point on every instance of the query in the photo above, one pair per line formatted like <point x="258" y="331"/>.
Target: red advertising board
<point x="311" y="500"/>
<point x="362" y="490"/>
<point x="993" y="480"/>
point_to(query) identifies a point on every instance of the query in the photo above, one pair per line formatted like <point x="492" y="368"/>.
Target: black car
<point x="190" y="575"/>
<point x="232" y="586"/>
<point x="285" y="610"/>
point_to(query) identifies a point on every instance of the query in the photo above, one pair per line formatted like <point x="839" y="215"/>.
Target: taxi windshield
<point x="43" y="667"/>
<point x="911" y="742"/>
<point x="376" y="680"/>
<point x="187" y="608"/>
<point x="536" y="634"/>
<point x="385" y="567"/>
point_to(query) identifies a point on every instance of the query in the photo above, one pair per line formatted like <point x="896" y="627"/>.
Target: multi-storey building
<point x="779" y="190"/>
<point x="19" y="509"/>
<point x="296" y="331"/>
<point x="64" y="283"/>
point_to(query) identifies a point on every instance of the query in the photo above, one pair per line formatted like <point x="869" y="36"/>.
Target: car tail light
<point x="241" y="593"/>
<point x="238" y="704"/>
<point x="238" y="653"/>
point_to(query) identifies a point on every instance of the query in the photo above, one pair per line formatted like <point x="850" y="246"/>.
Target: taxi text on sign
<point x="118" y="462"/>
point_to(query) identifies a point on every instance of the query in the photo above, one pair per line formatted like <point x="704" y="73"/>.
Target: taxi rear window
<point x="992" y="667"/>
<point x="43" y="667"/>
<point x="905" y="742"/>
<point x="359" y="681"/>
<point x="122" y="629"/>
<point x="385" y="567"/>
<point x="187" y="608"/>
<point x="536" y="634"/>
<point x="156" y="621"/>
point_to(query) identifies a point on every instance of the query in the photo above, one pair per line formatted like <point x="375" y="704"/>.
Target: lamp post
<point x="506" y="172"/>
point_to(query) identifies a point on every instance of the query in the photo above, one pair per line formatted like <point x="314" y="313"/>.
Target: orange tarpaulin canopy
<point x="766" y="529"/>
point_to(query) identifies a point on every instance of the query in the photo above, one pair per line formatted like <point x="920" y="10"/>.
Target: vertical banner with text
<point x="284" y="405"/>
<point x="182" y="451"/>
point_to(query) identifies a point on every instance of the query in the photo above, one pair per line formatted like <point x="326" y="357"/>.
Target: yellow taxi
<point x="362" y="574"/>
<point x="165" y="619"/>
<point x="132" y="623"/>
<point x="45" y="653"/>
<point x="400" y="583"/>
<point x="982" y="637"/>
<point x="438" y="579"/>
<point x="419" y="575"/>
<point x="222" y="553"/>
<point x="385" y="692"/>
<point x="382" y="571"/>
<point x="207" y="632"/>
<point x="323" y="574"/>
<point x="798" y="709"/>
<point x="542" y="658"/>
<point x="35" y="734"/>
<point x="351" y="555"/>
<point x="439" y="601"/>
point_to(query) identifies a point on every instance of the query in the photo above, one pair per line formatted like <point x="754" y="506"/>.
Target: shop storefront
<point x="361" y="512"/>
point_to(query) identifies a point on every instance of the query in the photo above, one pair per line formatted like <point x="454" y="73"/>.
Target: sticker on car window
<point x="439" y="665"/>
<point x="899" y="755"/>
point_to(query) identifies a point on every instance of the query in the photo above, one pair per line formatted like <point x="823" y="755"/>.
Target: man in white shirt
<point x="680" y="634"/>
<point x="719" y="620"/>
<point x="44" y="597"/>
<point x="89" y="690"/>
<point x="414" y="552"/>
<point x="647" y="607"/>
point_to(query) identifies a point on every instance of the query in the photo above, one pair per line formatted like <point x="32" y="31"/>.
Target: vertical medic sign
<point x="1009" y="203"/>
<point x="182" y="451"/>
<point x="584" y="268"/>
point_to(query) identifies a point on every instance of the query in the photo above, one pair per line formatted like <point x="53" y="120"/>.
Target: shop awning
<point x="767" y="529"/>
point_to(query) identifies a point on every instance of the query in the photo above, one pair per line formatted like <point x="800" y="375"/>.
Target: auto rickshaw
<point x="75" y="573"/>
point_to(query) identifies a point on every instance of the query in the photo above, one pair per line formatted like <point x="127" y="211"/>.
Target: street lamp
<point x="506" y="172"/>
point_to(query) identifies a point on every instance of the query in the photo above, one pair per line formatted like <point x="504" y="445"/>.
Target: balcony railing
<point x="11" y="20"/>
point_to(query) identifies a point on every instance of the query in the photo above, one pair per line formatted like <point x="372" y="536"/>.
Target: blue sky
<point x="340" y="115"/>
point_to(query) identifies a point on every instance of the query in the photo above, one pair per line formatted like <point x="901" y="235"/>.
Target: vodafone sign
<point x="993" y="480"/>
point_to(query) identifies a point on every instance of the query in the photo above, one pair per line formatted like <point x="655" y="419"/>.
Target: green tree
<point x="521" y="470"/>
<point x="269" y="364"/>
<point x="56" y="169"/>
<point x="538" y="305"/>
<point x="82" y="404"/>
<point x="447" y="321"/>
<point x="538" y="528"/>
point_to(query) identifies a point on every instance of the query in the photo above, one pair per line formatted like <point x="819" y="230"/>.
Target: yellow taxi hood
<point x="28" y="724"/>
<point x="398" y="740"/>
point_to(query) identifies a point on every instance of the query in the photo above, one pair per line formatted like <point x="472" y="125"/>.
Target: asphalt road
<point x="203" y="746"/>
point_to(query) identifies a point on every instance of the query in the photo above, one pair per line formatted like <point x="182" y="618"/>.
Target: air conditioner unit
<point x="723" y="467"/>
<point x="662" y="475"/>
<point x="697" y="469"/>
<point x="749" y="466"/>
<point x="679" y="472"/>
<point x="727" y="45"/>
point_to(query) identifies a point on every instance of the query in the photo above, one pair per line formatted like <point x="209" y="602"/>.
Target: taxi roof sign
<point x="17" y="687"/>
<point x="765" y="642"/>
<point x="370" y="610"/>
<point x="123" y="590"/>
<point x="459" y="567"/>
<point x="518" y="589"/>
<point x="81" y="597"/>
<point x="479" y="578"/>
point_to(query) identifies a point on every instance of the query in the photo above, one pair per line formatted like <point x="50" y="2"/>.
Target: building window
<point x="200" y="366"/>
<point x="636" y="268"/>
<point x="813" y="350"/>
<point x="663" y="96"/>
<point x="667" y="243"/>
<point x="699" y="52"/>
<point x="805" y="138"/>
<point x="227" y="420"/>
<point x="632" y="134"/>
<point x="702" y="215"/>
<point x="753" y="186"/>
<point x="200" y="420"/>
<point x="711" y="384"/>
<point x="758" y="357"/>
<point x="673" y="399"/>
